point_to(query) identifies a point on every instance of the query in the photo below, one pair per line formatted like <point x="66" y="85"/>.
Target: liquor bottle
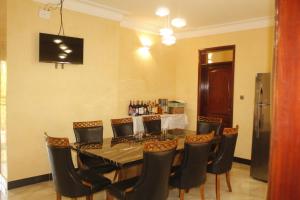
<point x="145" y="108"/>
<point x="155" y="108"/>
<point x="133" y="108"/>
<point x="141" y="108"/>
<point x="149" y="107"/>
<point x="130" y="109"/>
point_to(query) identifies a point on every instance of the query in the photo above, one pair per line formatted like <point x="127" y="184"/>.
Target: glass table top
<point x="129" y="150"/>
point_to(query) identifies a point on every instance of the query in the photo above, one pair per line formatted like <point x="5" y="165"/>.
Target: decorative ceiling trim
<point x="248" y="24"/>
<point x="99" y="10"/>
<point x="138" y="26"/>
<point x="86" y="7"/>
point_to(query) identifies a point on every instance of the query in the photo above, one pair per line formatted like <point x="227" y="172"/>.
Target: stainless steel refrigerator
<point x="261" y="127"/>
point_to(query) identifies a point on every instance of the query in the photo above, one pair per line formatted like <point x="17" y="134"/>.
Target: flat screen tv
<point x="60" y="49"/>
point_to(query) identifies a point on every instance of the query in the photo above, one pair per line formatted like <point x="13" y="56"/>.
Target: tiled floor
<point x="243" y="186"/>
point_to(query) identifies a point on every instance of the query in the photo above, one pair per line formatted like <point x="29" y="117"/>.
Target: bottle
<point x="155" y="107"/>
<point x="149" y="108"/>
<point x="130" y="109"/>
<point x="137" y="108"/>
<point x="141" y="108"/>
<point x="145" y="108"/>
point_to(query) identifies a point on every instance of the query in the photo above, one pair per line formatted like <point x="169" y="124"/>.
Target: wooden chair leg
<point x="58" y="196"/>
<point x="217" y="187"/>
<point x="228" y="181"/>
<point x="109" y="196"/>
<point x="181" y="194"/>
<point x="89" y="197"/>
<point x="116" y="176"/>
<point x="202" y="196"/>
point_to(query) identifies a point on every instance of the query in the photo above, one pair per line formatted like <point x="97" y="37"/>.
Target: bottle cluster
<point x="137" y="108"/>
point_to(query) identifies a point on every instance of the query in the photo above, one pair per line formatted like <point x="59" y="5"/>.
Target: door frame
<point x="202" y="62"/>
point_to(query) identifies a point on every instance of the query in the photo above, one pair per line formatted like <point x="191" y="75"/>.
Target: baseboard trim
<point x="242" y="160"/>
<point x="28" y="181"/>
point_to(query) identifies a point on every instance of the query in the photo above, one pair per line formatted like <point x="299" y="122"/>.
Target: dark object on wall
<point x="60" y="49"/>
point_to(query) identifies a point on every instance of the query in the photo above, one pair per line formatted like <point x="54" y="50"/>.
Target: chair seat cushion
<point x="118" y="190"/>
<point x="98" y="182"/>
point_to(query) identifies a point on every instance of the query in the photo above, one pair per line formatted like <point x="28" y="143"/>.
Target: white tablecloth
<point x="168" y="121"/>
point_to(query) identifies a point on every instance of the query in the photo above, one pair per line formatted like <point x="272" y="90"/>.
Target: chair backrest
<point x="208" y="124"/>
<point x="152" y="124"/>
<point x="122" y="127"/>
<point x="192" y="172"/>
<point x="154" y="180"/>
<point x="66" y="180"/>
<point x="225" y="153"/>
<point x="88" y="131"/>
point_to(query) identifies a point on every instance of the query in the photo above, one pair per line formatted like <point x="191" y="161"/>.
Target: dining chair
<point x="192" y="172"/>
<point x="207" y="124"/>
<point x="222" y="163"/>
<point x="122" y="127"/>
<point x="152" y="124"/>
<point x="68" y="181"/>
<point x="91" y="132"/>
<point x="154" y="180"/>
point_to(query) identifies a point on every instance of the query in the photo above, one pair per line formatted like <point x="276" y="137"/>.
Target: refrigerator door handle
<point x="257" y="123"/>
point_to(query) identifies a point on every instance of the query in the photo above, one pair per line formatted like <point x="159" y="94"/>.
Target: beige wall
<point x="254" y="54"/>
<point x="42" y="98"/>
<point x="2" y="29"/>
<point x="147" y="78"/>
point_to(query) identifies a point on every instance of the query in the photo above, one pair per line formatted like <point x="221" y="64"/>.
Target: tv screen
<point x="60" y="49"/>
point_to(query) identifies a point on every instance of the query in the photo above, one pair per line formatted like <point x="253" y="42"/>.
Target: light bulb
<point x="162" y="12"/>
<point x="165" y="31"/>
<point x="178" y="22"/>
<point x="169" y="40"/>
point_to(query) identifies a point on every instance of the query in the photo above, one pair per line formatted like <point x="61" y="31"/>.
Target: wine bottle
<point x="130" y="109"/>
<point x="141" y="108"/>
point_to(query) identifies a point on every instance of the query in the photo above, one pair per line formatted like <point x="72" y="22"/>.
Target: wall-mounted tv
<point x="60" y="49"/>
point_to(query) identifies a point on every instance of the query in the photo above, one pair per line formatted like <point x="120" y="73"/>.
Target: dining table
<point x="128" y="151"/>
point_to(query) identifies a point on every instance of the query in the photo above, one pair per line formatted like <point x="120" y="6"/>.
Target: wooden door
<point x="216" y="91"/>
<point x="284" y="174"/>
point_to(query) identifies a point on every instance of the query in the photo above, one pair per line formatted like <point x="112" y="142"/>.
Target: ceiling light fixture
<point x="162" y="12"/>
<point x="178" y="22"/>
<point x="166" y="31"/>
<point x="169" y="40"/>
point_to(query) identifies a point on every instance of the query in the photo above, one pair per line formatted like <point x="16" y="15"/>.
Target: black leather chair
<point x="154" y="180"/>
<point x="69" y="182"/>
<point x="90" y="132"/>
<point x="222" y="162"/>
<point x="192" y="171"/>
<point x="122" y="127"/>
<point x="152" y="124"/>
<point x="208" y="124"/>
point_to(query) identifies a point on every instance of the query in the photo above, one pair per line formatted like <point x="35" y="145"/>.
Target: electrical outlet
<point x="45" y="14"/>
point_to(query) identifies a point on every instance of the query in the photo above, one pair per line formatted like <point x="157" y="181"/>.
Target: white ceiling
<point x="203" y="17"/>
<point x="198" y="13"/>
